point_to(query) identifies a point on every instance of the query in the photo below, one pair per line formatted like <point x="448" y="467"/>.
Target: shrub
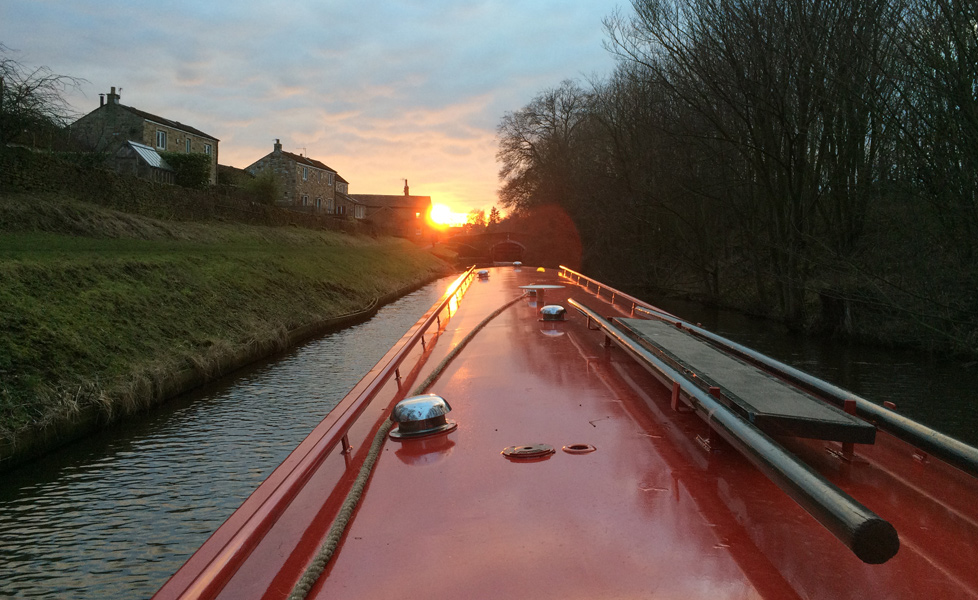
<point x="192" y="170"/>
<point x="264" y="188"/>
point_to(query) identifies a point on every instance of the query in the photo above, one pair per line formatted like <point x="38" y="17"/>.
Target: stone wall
<point x="22" y="170"/>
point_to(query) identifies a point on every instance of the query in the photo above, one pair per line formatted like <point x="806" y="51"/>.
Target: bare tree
<point x="780" y="84"/>
<point x="938" y="114"/>
<point x="32" y="100"/>
<point x="536" y="145"/>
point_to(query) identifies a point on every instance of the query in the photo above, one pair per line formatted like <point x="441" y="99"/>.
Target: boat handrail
<point x="871" y="538"/>
<point x="615" y="293"/>
<point x="931" y="441"/>
<point x="218" y="571"/>
<point x="937" y="444"/>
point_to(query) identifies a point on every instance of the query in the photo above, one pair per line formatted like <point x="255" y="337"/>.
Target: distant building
<point x="110" y="126"/>
<point x="404" y="215"/>
<point x="305" y="183"/>
<point x="345" y="203"/>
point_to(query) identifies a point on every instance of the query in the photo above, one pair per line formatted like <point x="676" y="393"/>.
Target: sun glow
<point x="443" y="215"/>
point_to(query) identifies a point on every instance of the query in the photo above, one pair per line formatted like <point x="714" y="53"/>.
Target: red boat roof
<point x="630" y="503"/>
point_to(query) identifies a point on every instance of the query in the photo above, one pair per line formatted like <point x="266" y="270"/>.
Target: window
<point x="319" y="203"/>
<point x="358" y="211"/>
<point x="305" y="200"/>
<point x="342" y="209"/>
<point x="305" y="173"/>
<point x="207" y="148"/>
<point x="329" y="178"/>
<point x="160" y="139"/>
<point x="188" y="145"/>
<point x="330" y="205"/>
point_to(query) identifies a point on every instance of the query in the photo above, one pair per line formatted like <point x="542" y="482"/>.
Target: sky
<point x="379" y="90"/>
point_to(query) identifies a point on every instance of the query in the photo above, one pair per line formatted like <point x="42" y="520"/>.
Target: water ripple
<point x="114" y="515"/>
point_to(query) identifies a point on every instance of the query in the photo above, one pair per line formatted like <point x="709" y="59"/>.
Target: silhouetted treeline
<point x="816" y="161"/>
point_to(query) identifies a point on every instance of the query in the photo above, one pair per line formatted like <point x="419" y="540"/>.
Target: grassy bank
<point x="98" y="309"/>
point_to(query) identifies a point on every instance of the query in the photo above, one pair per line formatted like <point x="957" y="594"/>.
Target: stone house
<point x="345" y="203"/>
<point x="305" y="183"/>
<point x="112" y="124"/>
<point x="401" y="215"/>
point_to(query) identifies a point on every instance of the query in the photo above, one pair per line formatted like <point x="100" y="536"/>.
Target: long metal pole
<point x="933" y="442"/>
<point x="870" y="537"/>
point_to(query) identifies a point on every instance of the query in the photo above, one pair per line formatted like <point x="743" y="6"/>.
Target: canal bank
<point x="103" y="314"/>
<point x="30" y="443"/>
<point x="114" y="514"/>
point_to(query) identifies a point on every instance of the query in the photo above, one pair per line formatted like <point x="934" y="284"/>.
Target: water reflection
<point x="114" y="516"/>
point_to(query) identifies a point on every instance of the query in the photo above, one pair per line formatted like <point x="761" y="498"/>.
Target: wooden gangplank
<point x="769" y="403"/>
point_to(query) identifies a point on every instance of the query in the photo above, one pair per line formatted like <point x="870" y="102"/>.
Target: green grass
<point x="96" y="305"/>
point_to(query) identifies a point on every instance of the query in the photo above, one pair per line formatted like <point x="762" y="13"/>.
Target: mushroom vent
<point x="484" y="274"/>
<point x="553" y="312"/>
<point x="421" y="416"/>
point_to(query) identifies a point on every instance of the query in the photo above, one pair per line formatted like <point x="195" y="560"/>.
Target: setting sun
<point x="443" y="215"/>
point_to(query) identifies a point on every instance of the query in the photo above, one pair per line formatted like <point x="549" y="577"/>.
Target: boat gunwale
<point x="221" y="565"/>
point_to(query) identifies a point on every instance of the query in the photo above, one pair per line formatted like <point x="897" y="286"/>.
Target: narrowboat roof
<point x="567" y="468"/>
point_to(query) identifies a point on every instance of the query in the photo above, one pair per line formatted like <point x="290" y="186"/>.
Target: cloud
<point x="378" y="89"/>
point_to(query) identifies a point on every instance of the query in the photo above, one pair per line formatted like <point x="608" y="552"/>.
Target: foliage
<point x="494" y="218"/>
<point x="32" y="101"/>
<point x="475" y="221"/>
<point x="192" y="170"/>
<point x="264" y="187"/>
<point x="766" y="153"/>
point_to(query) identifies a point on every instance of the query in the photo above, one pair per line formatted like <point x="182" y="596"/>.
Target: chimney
<point x="406" y="192"/>
<point x="112" y="97"/>
<point x="278" y="146"/>
<point x="101" y="100"/>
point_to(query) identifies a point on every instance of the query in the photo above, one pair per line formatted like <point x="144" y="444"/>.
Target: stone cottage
<point x="112" y="124"/>
<point x="401" y="215"/>
<point x="305" y="183"/>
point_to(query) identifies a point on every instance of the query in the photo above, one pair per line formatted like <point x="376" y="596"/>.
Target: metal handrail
<point x="871" y="538"/>
<point x="236" y="550"/>
<point x="615" y="293"/>
<point x="935" y="443"/>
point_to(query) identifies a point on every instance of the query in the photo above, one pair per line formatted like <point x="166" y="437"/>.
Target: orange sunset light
<point x="443" y="215"/>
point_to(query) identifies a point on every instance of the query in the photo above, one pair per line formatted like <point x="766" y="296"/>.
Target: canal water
<point x="113" y="516"/>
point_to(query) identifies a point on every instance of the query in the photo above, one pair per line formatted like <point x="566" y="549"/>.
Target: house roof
<point x="305" y="160"/>
<point x="347" y="197"/>
<point x="151" y="156"/>
<point x="164" y="121"/>
<point x="391" y="200"/>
